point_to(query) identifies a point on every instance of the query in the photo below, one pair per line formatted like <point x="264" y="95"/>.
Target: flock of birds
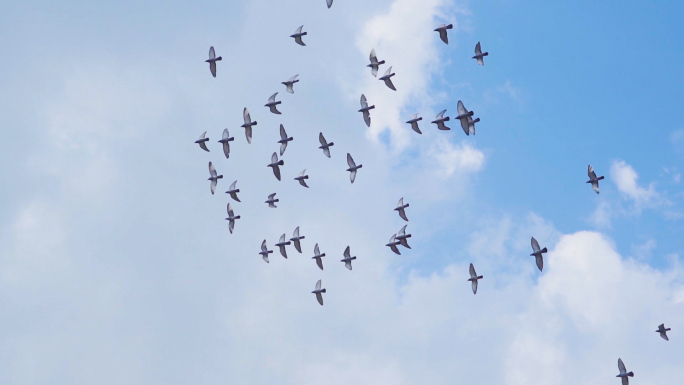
<point x="398" y="239"/>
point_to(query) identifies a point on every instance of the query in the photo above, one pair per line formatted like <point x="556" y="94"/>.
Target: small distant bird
<point x="347" y="259"/>
<point x="393" y="244"/>
<point x="402" y="237"/>
<point x="231" y="219"/>
<point x="283" y="140"/>
<point x="593" y="179"/>
<point x="325" y="146"/>
<point x="225" y="141"/>
<point x="442" y="29"/>
<point x="375" y="64"/>
<point x="248" y="124"/>
<point x="298" y="36"/>
<point x="271" y="201"/>
<point x="295" y="240"/>
<point x="265" y="251"/>
<point x="352" y="167"/>
<point x="318" y="290"/>
<point x="329" y="2"/>
<point x="317" y="256"/>
<point x="202" y="141"/>
<point x="463" y="115"/>
<point x="440" y="119"/>
<point x="663" y="331"/>
<point x="473" y="278"/>
<point x="414" y="122"/>
<point x="275" y="163"/>
<point x="479" y="55"/>
<point x="290" y="83"/>
<point x="623" y="372"/>
<point x="213" y="178"/>
<point x="400" y="208"/>
<point x="387" y="79"/>
<point x="537" y="254"/>
<point x="365" y="110"/>
<point x="301" y="178"/>
<point x="233" y="191"/>
<point x="282" y="245"/>
<point x="272" y="104"/>
<point x="212" y="61"/>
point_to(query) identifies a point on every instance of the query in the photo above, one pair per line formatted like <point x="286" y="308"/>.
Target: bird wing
<point x="212" y="54"/>
<point x="591" y="173"/>
<point x="319" y="297"/>
<point x="274" y="109"/>
<point x="230" y="210"/>
<point x="319" y="262"/>
<point x="299" y="30"/>
<point x="540" y="262"/>
<point x="213" y="186"/>
<point x="326" y="152"/>
<point x="265" y="257"/>
<point x="443" y="35"/>
<point x="292" y="79"/>
<point x="595" y="186"/>
<point x="621" y="366"/>
<point x="232" y="186"/>
<point x="478" y="50"/>
<point x="366" y="118"/>
<point x="535" y="245"/>
<point x="347" y="253"/>
<point x="272" y="98"/>
<point x="276" y="171"/>
<point x="288" y="87"/>
<point x="316" y="250"/>
<point x="271" y="196"/>
<point x="350" y="161"/>
<point x="402" y="232"/>
<point x="402" y="214"/>
<point x="204" y="134"/>
<point x="203" y="146"/>
<point x="440" y="115"/>
<point x="245" y="116"/>
<point x="663" y="335"/>
<point x="401" y="202"/>
<point x="212" y="68"/>
<point x="225" y="134"/>
<point x="352" y="176"/>
<point x="283" y="147"/>
<point x="248" y="134"/>
<point x="394" y="248"/>
<point x="374" y="70"/>
<point x="471" y="125"/>
<point x="373" y="57"/>
<point x="480" y="61"/>
<point x="389" y="84"/>
<point x="212" y="170"/>
<point x="348" y="265"/>
<point x="321" y="139"/>
<point x="298" y="40"/>
<point x="263" y="246"/>
<point x="295" y="234"/>
<point x="274" y="158"/>
<point x="474" y="286"/>
<point x="364" y="102"/>
<point x="473" y="274"/>
<point x="625" y="380"/>
<point x="329" y="2"/>
<point x="461" y="108"/>
<point x="318" y="285"/>
<point x="231" y="225"/>
<point x="389" y="70"/>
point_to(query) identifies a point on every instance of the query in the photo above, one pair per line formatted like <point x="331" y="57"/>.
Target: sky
<point x="116" y="264"/>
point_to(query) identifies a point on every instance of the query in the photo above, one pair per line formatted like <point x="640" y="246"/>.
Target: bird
<point x="296" y="238"/>
<point x="271" y="201"/>
<point x="231" y="219"/>
<point x="442" y="29"/>
<point x="593" y="179"/>
<point x="352" y="167"/>
<point x="213" y="178"/>
<point x="440" y="119"/>
<point x="232" y="191"/>
<point x="282" y="245"/>
<point x="265" y="251"/>
<point x="272" y="104"/>
<point x="274" y="164"/>
<point x="414" y="122"/>
<point x="347" y="259"/>
<point x="283" y="140"/>
<point x="402" y="237"/>
<point x="463" y="115"/>
<point x="537" y="254"/>
<point x="248" y="124"/>
<point x="301" y="178"/>
<point x="318" y="291"/>
<point x="325" y="146"/>
<point x="329" y="2"/>
<point x="400" y="208"/>
<point x="317" y="256"/>
<point x="365" y="110"/>
<point x="212" y="61"/>
<point x="375" y="64"/>
<point x="290" y="83"/>
<point x="225" y="141"/>
<point x="387" y="79"/>
<point x="479" y="55"/>
<point x="393" y="244"/>
<point x="663" y="331"/>
<point x="298" y="36"/>
<point x="202" y="141"/>
<point x="623" y="372"/>
<point x="473" y="278"/>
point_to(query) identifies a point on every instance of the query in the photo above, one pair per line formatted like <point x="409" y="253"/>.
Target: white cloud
<point x="625" y="178"/>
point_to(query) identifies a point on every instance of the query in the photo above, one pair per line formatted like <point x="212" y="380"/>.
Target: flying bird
<point x="213" y="178"/>
<point x="298" y="36"/>
<point x="479" y="55"/>
<point x="232" y="191"/>
<point x="248" y="124"/>
<point x="663" y="331"/>
<point x="440" y="119"/>
<point x="318" y="290"/>
<point x="387" y="79"/>
<point x="365" y="110"/>
<point x="225" y="141"/>
<point x="593" y="179"/>
<point x="375" y="64"/>
<point x="537" y="254"/>
<point x="393" y="244"/>
<point x="265" y="251"/>
<point x="282" y="245"/>
<point x="202" y="141"/>
<point x="283" y="140"/>
<point x="275" y="163"/>
<point x="400" y="208"/>
<point x="352" y="167"/>
<point x="325" y="146"/>
<point x="302" y="178"/>
<point x="272" y="104"/>
<point x="290" y="83"/>
<point x="623" y="372"/>
<point x="317" y="256"/>
<point x="212" y="61"/>
<point x="296" y="238"/>
<point x="231" y="219"/>
<point x="463" y="115"/>
<point x="442" y="29"/>
<point x="347" y="259"/>
<point x="271" y="201"/>
<point x="402" y="237"/>
<point x="414" y="122"/>
<point x="473" y="278"/>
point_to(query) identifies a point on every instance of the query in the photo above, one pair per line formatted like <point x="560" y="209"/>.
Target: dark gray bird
<point x="387" y="79"/>
<point x="463" y="115"/>
<point x="283" y="140"/>
<point x="439" y="121"/>
<point x="272" y="104"/>
<point x="265" y="251"/>
<point x="414" y="122"/>
<point x="212" y="61"/>
<point x="325" y="146"/>
<point x="593" y="179"/>
<point x="231" y="219"/>
<point x="298" y="36"/>
<point x="202" y="141"/>
<point x="623" y="373"/>
<point x="393" y="244"/>
<point x="347" y="259"/>
<point x="275" y="163"/>
<point x="248" y="124"/>
<point x="302" y="178"/>
<point x="400" y="208"/>
<point x="352" y="167"/>
<point x="225" y="141"/>
<point x="365" y="110"/>
<point x="473" y="278"/>
<point x="318" y="291"/>
<point x="375" y="64"/>
<point x="290" y="83"/>
<point x="232" y="191"/>
<point x="271" y="201"/>
<point x="537" y="254"/>
<point x="295" y="240"/>
<point x="213" y="177"/>
<point x="282" y="245"/>
<point x="402" y="237"/>
<point x="442" y="29"/>
<point x="479" y="55"/>
<point x="317" y="256"/>
<point x="663" y="331"/>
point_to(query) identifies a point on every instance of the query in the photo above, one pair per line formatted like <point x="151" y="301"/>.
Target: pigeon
<point x="329" y="2"/>
<point x="352" y="167"/>
<point x="375" y="64"/>
<point x="365" y="110"/>
<point x="271" y="202"/>
<point x="347" y="259"/>
<point x="387" y="79"/>
<point x="274" y="164"/>
<point x="318" y="290"/>
<point x="213" y="178"/>
<point x="296" y="238"/>
<point x="202" y="142"/>
<point x="414" y="122"/>
<point x="325" y="146"/>
<point x="442" y="29"/>
<point x="283" y="140"/>
<point x="663" y="331"/>
<point x="282" y="245"/>
<point x="479" y="55"/>
<point x="623" y="372"/>
<point x="402" y="236"/>
<point x="317" y="256"/>
<point x="290" y="83"/>
<point x="248" y="124"/>
<point x="265" y="251"/>
<point x="592" y="179"/>
<point x="301" y="178"/>
<point x="212" y="61"/>
<point x="473" y="278"/>
<point x="233" y="191"/>
<point x="400" y="208"/>
<point x="231" y="219"/>
<point x="298" y="36"/>
<point x="272" y="104"/>
<point x="463" y="115"/>
<point x="393" y="244"/>
<point x="439" y="121"/>
<point x="225" y="141"/>
<point x="537" y="254"/>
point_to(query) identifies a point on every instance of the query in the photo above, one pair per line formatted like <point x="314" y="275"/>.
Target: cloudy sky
<point x="116" y="265"/>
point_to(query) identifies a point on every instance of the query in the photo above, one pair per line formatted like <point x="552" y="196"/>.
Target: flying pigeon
<point x="375" y="64"/>
<point x="663" y="331"/>
<point x="439" y="121"/>
<point x="271" y="201"/>
<point x="213" y="178"/>
<point x="248" y="124"/>
<point x="473" y="278"/>
<point x="283" y="140"/>
<point x="623" y="372"/>
<point x="479" y="55"/>
<point x="272" y="104"/>
<point x="225" y="141"/>
<point x="442" y="29"/>
<point x="463" y="115"/>
<point x="400" y="208"/>
<point x="233" y="191"/>
<point x="317" y="256"/>
<point x="537" y="254"/>
<point x="325" y="146"/>
<point x="301" y="178"/>
<point x="290" y="83"/>
<point x="347" y="259"/>
<point x="298" y="36"/>
<point x="296" y="238"/>
<point x="414" y="122"/>
<point x="274" y="164"/>
<point x="318" y="290"/>
<point x="365" y="110"/>
<point x="212" y="61"/>
<point x="593" y="179"/>
<point x="231" y="219"/>
<point x="387" y="79"/>
<point x="282" y="245"/>
<point x="202" y="142"/>
<point x="393" y="244"/>
<point x="265" y="251"/>
<point x="402" y="236"/>
<point x="352" y="167"/>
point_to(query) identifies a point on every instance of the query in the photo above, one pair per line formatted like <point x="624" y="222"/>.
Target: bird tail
<point x="543" y="250"/>
<point x="330" y="144"/>
<point x="237" y="217"/>
<point x="631" y="374"/>
<point x="218" y="58"/>
<point x="485" y="54"/>
<point x="476" y="120"/>
<point x="359" y="166"/>
<point x="219" y="177"/>
<point x="599" y="178"/>
<point x="450" y="26"/>
<point x="323" y="291"/>
<point x="480" y="277"/>
<point x="281" y="162"/>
